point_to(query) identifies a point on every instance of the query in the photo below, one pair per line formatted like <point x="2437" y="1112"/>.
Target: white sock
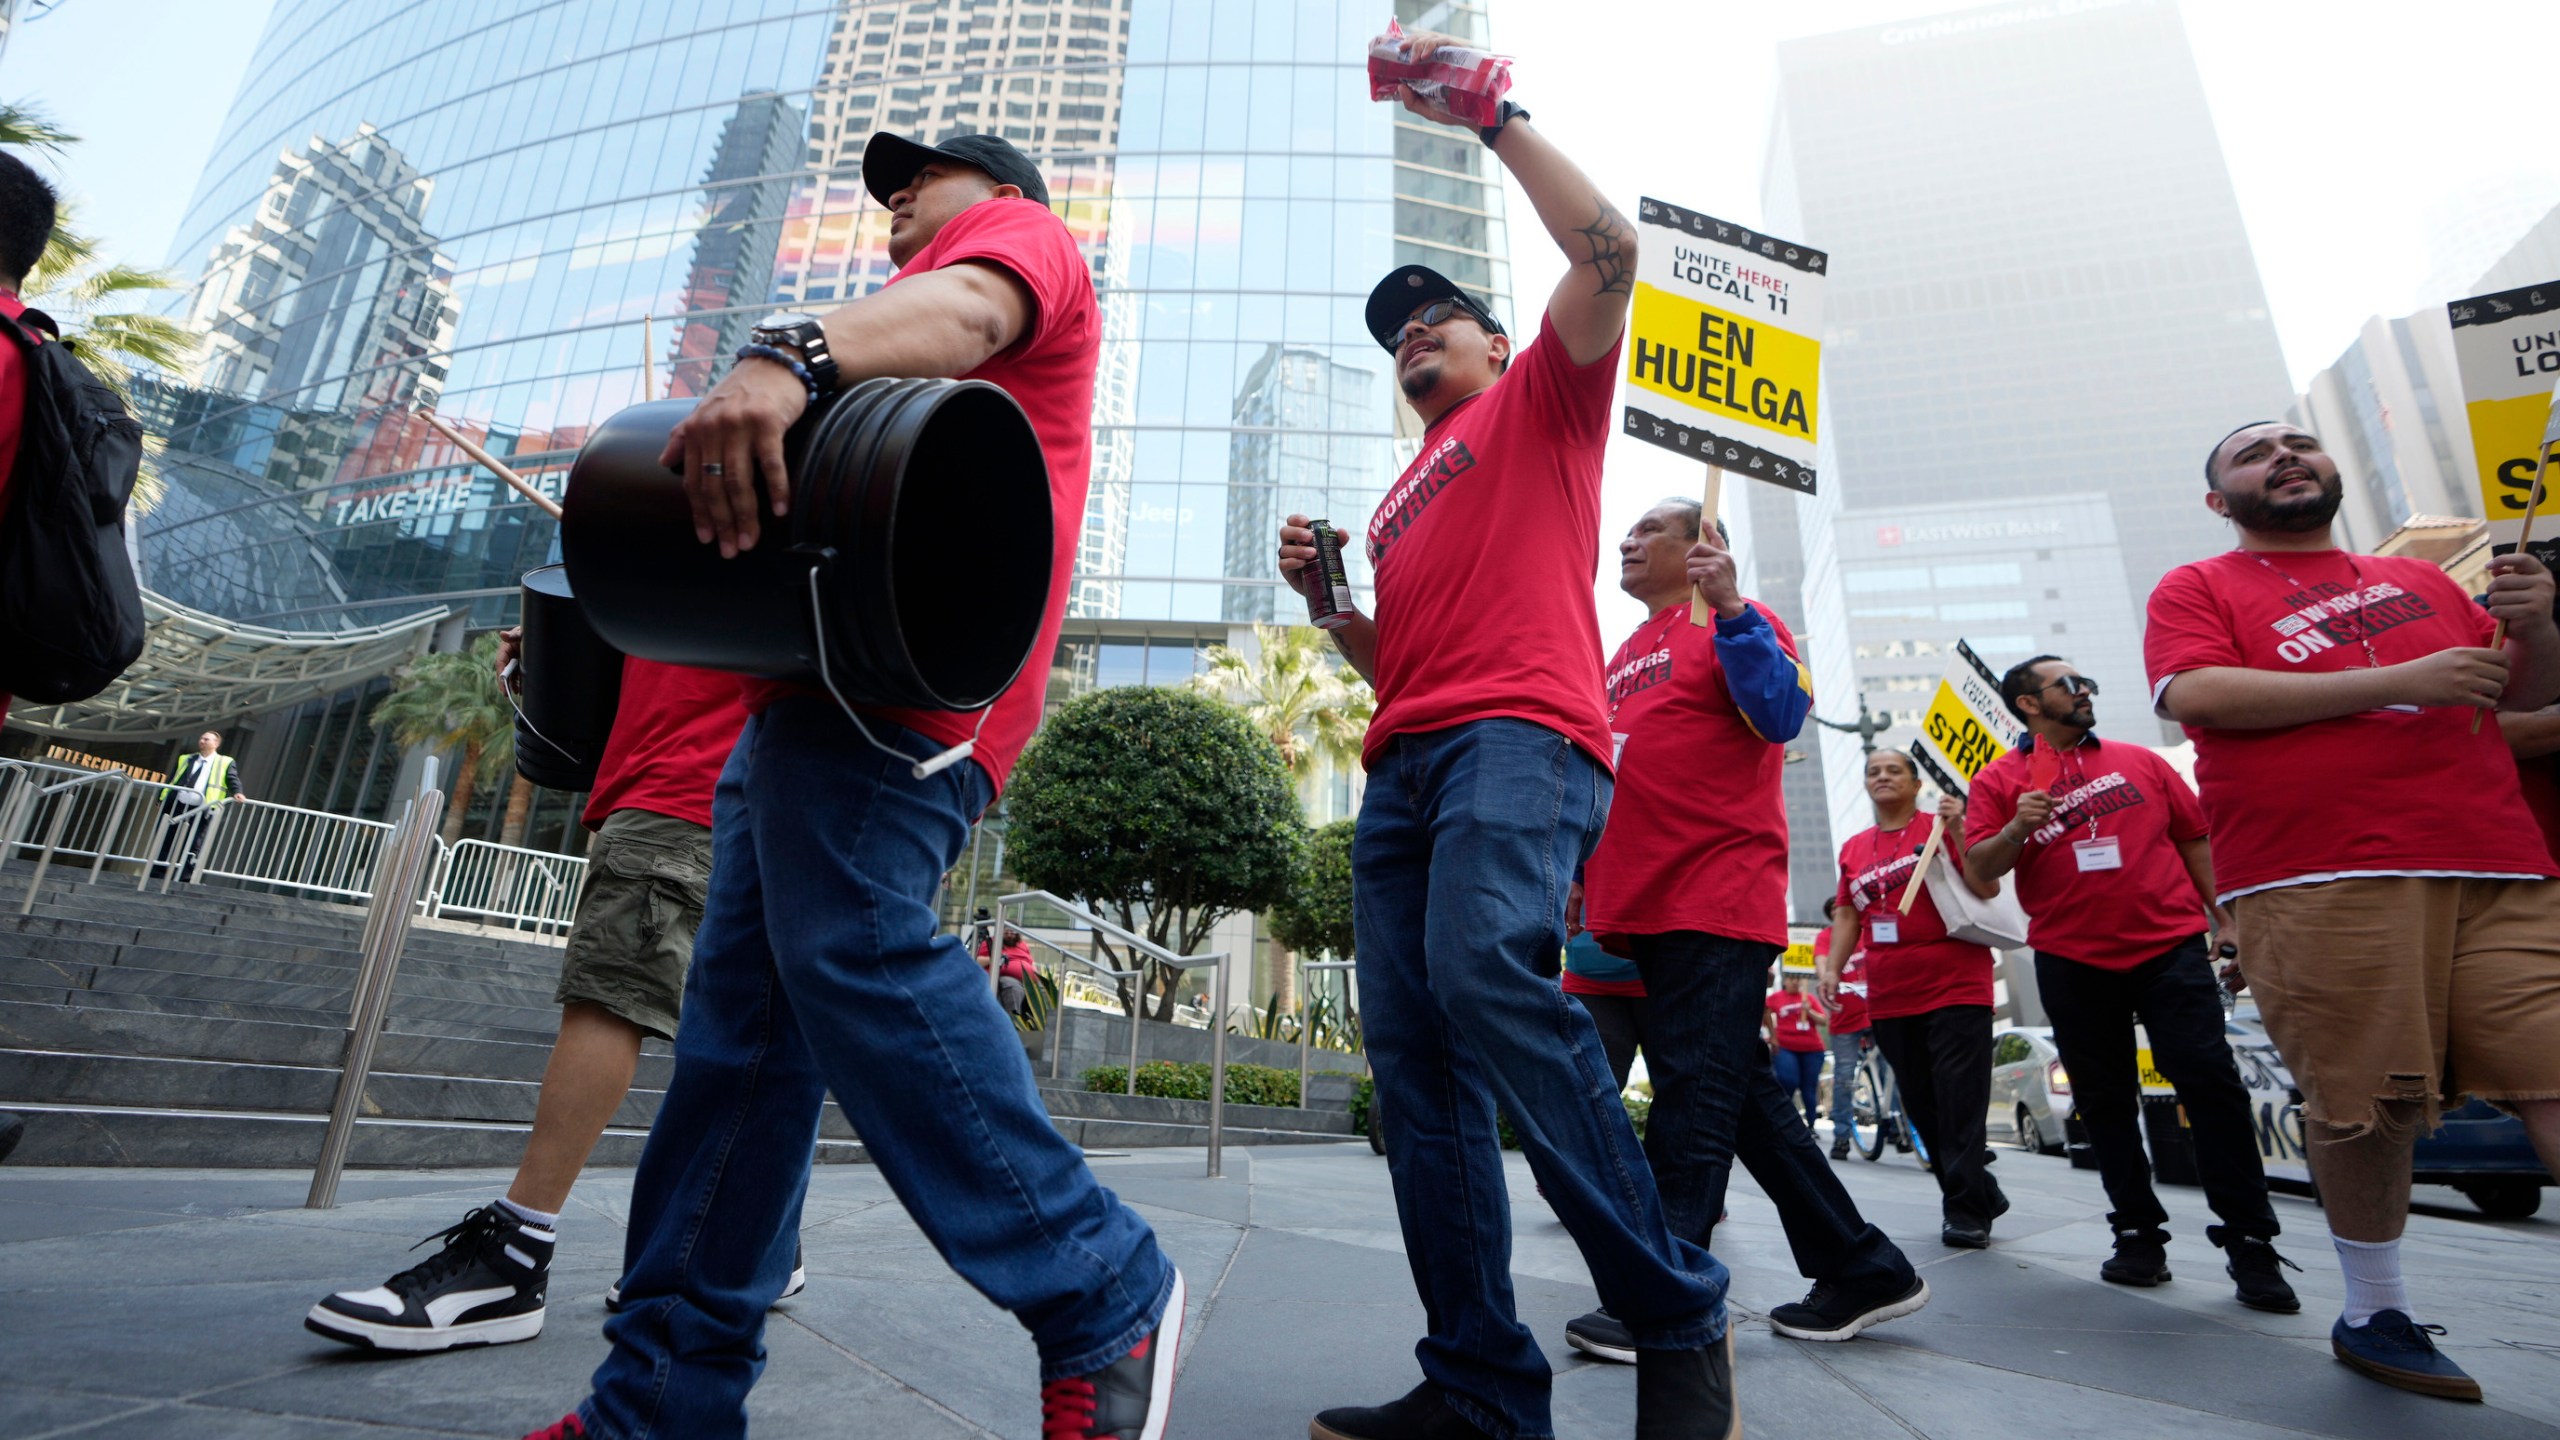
<point x="2373" y="1278"/>
<point x="542" y="1220"/>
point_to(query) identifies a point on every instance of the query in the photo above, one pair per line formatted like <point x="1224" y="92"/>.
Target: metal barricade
<point x="312" y="851"/>
<point x="1217" y="965"/>
<point x="508" y="884"/>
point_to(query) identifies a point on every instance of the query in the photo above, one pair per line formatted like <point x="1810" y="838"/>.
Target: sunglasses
<point x="1436" y="312"/>
<point x="2073" y="685"/>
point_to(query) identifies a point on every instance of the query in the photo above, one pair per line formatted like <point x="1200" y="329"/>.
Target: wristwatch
<point x="796" y="333"/>
<point x="1511" y="110"/>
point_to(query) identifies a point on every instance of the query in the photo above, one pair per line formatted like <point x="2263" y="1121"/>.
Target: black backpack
<point x="70" y="609"/>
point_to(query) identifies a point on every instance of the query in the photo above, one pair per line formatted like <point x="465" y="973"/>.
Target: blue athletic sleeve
<point x="1773" y="691"/>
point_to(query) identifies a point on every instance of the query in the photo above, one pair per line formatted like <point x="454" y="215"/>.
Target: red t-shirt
<point x="1850" y="1015"/>
<point x="1791" y="1018"/>
<point x="13" y="415"/>
<point x="1697" y="833"/>
<point x="1483" y="553"/>
<point x="1049" y="373"/>
<point x="672" y="732"/>
<point x="1912" y="967"/>
<point x="2361" y="794"/>
<point x="2136" y="809"/>
<point x="2541" y="782"/>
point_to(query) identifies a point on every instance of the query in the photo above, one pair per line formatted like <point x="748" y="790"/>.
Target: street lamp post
<point x="1869" y="726"/>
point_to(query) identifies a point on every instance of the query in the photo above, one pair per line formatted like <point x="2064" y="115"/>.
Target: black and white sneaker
<point x="1602" y="1336"/>
<point x="798" y="1282"/>
<point x="485" y="1287"/>
<point x="1833" y="1312"/>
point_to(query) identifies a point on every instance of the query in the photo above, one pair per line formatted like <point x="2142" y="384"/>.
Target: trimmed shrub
<point x="1173" y="1080"/>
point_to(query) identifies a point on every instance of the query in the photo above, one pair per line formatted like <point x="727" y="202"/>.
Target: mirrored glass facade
<point x="528" y="214"/>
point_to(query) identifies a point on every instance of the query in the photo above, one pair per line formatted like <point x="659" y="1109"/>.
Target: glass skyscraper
<point x="2040" y="288"/>
<point x="525" y="215"/>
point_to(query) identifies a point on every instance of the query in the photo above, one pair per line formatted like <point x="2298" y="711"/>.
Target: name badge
<point x="1884" y="932"/>
<point x="1617" y="750"/>
<point x="2100" y="854"/>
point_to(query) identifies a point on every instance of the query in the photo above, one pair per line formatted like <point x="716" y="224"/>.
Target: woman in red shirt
<point x="1928" y="996"/>
<point x="1795" y="1045"/>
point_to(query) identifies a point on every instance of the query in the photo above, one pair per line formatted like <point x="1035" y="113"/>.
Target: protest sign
<point x="2507" y="346"/>
<point x="1965" y="728"/>
<point x="1724" y="345"/>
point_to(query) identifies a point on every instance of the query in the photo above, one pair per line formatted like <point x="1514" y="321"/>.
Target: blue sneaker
<point x="2396" y="1350"/>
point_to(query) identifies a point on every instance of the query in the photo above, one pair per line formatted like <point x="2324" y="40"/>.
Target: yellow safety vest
<point x="216" y="784"/>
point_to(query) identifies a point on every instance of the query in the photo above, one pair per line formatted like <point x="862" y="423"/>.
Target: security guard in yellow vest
<point x="205" y="781"/>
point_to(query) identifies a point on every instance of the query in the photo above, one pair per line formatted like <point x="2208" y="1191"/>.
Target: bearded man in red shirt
<point x="1489" y="779"/>
<point x="2391" y="893"/>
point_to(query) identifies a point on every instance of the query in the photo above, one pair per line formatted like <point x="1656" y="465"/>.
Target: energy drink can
<point x="1329" y="598"/>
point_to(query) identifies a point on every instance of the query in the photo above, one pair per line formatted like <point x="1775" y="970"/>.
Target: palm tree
<point x="452" y="701"/>
<point x="1312" y="706"/>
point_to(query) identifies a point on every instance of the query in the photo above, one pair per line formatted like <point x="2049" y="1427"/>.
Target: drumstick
<point x="2532" y="503"/>
<point x="524" y="487"/>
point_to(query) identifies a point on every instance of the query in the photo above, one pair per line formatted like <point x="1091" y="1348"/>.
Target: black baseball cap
<point x="889" y="161"/>
<point x="1408" y="288"/>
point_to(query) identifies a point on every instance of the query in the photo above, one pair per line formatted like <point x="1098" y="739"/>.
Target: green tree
<point x="1314" y="917"/>
<point x="1298" y="693"/>
<point x="1164" y="810"/>
<point x="452" y="701"/>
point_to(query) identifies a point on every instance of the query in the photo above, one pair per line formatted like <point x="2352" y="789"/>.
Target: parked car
<point x="2481" y="1151"/>
<point x="2030" y="1091"/>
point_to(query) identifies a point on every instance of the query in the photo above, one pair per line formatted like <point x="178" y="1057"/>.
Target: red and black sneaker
<point x="565" y="1428"/>
<point x="1124" y="1400"/>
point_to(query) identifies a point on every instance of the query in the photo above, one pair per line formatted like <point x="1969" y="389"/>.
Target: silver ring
<point x="711" y="467"/>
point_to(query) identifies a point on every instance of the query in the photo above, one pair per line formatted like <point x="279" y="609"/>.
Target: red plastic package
<point x="1470" y="84"/>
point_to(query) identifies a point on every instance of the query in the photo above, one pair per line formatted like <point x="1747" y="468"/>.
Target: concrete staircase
<point x="205" y="1028"/>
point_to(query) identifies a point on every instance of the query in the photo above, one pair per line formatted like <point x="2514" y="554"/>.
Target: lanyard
<point x="2078" y="779"/>
<point x="2363" y="638"/>
<point x="1875" y="846"/>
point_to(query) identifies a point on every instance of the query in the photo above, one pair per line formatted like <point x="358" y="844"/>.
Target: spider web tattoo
<point x="1607" y="233"/>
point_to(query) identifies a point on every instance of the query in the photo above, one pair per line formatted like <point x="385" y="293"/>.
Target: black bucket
<point x="572" y="685"/>
<point x="921" y="507"/>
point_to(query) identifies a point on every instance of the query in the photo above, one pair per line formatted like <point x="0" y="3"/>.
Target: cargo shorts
<point x="647" y="877"/>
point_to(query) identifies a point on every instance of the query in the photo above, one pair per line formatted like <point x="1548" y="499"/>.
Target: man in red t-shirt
<point x="821" y="965"/>
<point x="2388" y="888"/>
<point x="1689" y="880"/>
<point x="1488" y="765"/>
<point x="27" y="207"/>
<point x="621" y="980"/>
<point x="1929" y="995"/>
<point x="2108" y="845"/>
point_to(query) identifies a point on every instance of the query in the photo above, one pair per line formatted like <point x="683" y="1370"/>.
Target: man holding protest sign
<point x="2401" y="934"/>
<point x="1489" y="777"/>
<point x="1690" y="880"/>
<point x="2108" y="845"/>
<point x="1928" y="995"/>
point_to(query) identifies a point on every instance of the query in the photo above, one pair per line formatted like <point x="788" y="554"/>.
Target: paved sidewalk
<point x="168" y="1304"/>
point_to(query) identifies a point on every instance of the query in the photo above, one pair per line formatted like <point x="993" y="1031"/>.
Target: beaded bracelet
<point x="780" y="356"/>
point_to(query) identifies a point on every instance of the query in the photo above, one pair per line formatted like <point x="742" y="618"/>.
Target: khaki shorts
<point x="2407" y="988"/>
<point x="647" y="875"/>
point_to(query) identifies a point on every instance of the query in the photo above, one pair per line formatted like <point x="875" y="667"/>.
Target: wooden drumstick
<point x="524" y="487"/>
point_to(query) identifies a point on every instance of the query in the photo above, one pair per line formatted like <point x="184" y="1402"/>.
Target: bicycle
<point x="1876" y="1113"/>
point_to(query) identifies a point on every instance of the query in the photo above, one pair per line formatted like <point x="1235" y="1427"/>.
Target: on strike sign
<point x="2508" y="348"/>
<point x="1966" y="726"/>
<point x="1724" y="345"/>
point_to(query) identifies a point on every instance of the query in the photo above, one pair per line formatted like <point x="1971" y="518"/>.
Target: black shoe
<point x="1127" y="1399"/>
<point x="798" y="1282"/>
<point x="1831" y="1312"/>
<point x="1423" y="1414"/>
<point x="1687" y="1394"/>
<point x="1601" y="1336"/>
<point x="1963" y="1235"/>
<point x="2396" y="1350"/>
<point x="2257" y="1271"/>
<point x="1840" y="1148"/>
<point x="2141" y="1258"/>
<point x="485" y="1287"/>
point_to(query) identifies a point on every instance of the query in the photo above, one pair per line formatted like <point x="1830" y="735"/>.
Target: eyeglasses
<point x="2073" y="685"/>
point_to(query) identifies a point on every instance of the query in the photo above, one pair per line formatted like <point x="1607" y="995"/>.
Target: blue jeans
<point x="1716" y="1100"/>
<point x="1468" y="840"/>
<point x="1800" y="1072"/>
<point x="1846" y="1051"/>
<point x="820" y="966"/>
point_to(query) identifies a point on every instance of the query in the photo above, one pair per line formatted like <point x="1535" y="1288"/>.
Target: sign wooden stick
<point x="648" y="359"/>
<point x="2532" y="503"/>
<point x="524" y="487"/>
<point x="1701" y="613"/>
<point x="1920" y="872"/>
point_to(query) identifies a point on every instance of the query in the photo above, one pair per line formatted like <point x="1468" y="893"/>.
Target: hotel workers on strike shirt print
<point x="1912" y="965"/>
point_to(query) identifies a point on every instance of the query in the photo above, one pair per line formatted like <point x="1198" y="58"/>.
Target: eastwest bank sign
<point x="1948" y="27"/>
<point x="1890" y="537"/>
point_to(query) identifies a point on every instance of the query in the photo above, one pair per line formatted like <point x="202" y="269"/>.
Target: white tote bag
<point x="1999" y="922"/>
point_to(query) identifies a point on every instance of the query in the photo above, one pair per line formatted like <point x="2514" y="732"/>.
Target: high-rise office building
<point x="527" y="215"/>
<point x="2040" y="287"/>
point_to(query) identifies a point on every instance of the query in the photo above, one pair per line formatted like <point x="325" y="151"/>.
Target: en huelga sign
<point x="2508" y="348"/>
<point x="1724" y="345"/>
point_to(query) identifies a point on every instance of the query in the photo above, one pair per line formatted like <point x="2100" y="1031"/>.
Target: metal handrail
<point x="53" y="834"/>
<point x="1218" y="1001"/>
<point x="1057" y="1031"/>
<point x="1304" y="1028"/>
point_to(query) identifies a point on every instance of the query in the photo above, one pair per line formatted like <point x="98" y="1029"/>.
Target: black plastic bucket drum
<point x="571" y="686"/>
<point x="916" y="558"/>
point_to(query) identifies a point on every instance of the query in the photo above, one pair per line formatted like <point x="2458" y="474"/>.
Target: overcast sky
<point x="2360" y="133"/>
